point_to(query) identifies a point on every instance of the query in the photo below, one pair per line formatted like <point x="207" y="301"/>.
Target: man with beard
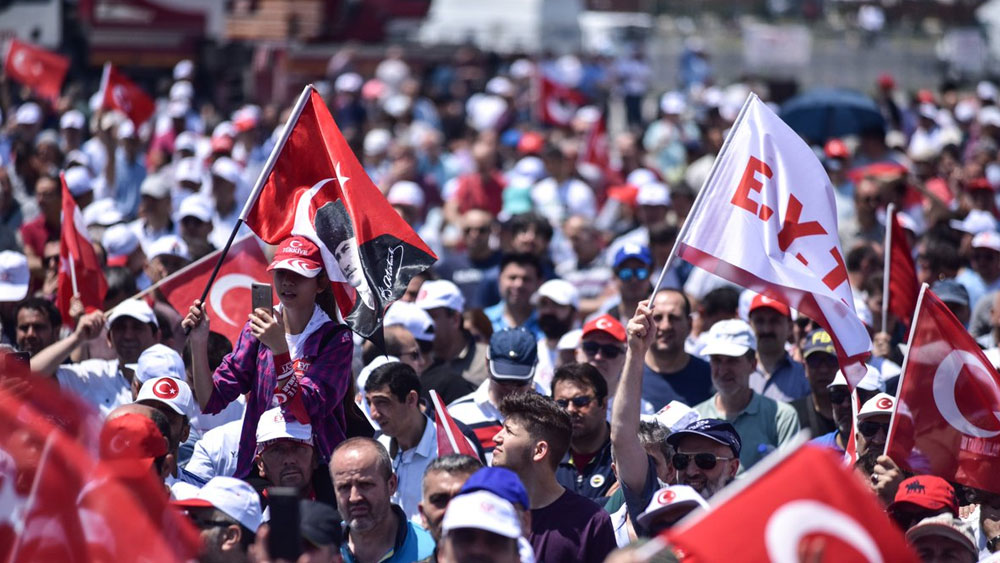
<point x="227" y="513"/>
<point x="582" y="392"/>
<point x="376" y="529"/>
<point x="557" y="302"/>
<point x="285" y="453"/>
<point x="872" y="431"/>
<point x="37" y="325"/>
<point x="778" y="376"/>
<point x="520" y="275"/>
<point x="671" y="373"/>
<point x="707" y="455"/>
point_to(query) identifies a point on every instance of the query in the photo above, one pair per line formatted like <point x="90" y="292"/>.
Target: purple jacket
<point x="249" y="368"/>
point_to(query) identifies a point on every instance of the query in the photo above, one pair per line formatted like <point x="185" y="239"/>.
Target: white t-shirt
<point x="557" y="201"/>
<point x="215" y="454"/>
<point x="98" y="382"/>
<point x="295" y="341"/>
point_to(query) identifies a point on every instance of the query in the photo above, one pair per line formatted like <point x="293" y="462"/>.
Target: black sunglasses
<point x="869" y="429"/>
<point x="626" y="274"/>
<point x="609" y="351"/>
<point x="703" y="460"/>
<point x="578" y="402"/>
<point x="838" y="396"/>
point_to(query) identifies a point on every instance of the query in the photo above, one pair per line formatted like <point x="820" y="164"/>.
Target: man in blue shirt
<point x="778" y="376"/>
<point x="520" y="277"/>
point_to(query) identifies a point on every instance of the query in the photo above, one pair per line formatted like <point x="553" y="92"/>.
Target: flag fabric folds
<point x="901" y="272"/>
<point x="39" y="69"/>
<point x="120" y="93"/>
<point x="78" y="259"/>
<point x="450" y="439"/>
<point x="557" y="104"/>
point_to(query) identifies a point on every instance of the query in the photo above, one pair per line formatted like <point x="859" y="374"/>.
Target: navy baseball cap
<point x="713" y="429"/>
<point x="633" y="250"/>
<point x="500" y="481"/>
<point x="319" y="524"/>
<point x="513" y="354"/>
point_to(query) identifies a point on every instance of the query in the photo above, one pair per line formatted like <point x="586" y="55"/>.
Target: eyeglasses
<point x="838" y="396"/>
<point x="626" y="274"/>
<point x="703" y="460"/>
<point x="578" y="402"/>
<point x="609" y="351"/>
<point x="869" y="429"/>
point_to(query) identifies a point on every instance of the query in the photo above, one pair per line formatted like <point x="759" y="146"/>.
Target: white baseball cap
<point x="500" y="86"/>
<point x="155" y="186"/>
<point x="182" y="90"/>
<point x="186" y="141"/>
<point x="675" y="416"/>
<point x="559" y="291"/>
<point x="183" y="70"/>
<point x="640" y="177"/>
<point x="879" y="404"/>
<point x="482" y="510"/>
<point x="406" y="193"/>
<point x="77" y="156"/>
<point x="28" y="113"/>
<point x="14" y="276"/>
<point x="78" y="180"/>
<point x="169" y="245"/>
<point x="119" y="241"/>
<point x="227" y="169"/>
<point x="377" y="141"/>
<point x="157" y="361"/>
<point x="413" y="318"/>
<point x="103" y="212"/>
<point x="234" y="497"/>
<point x="170" y="391"/>
<point x="570" y="340"/>
<point x="197" y="206"/>
<point x="134" y="308"/>
<point x="348" y="82"/>
<point x="673" y="103"/>
<point x="440" y="293"/>
<point x="653" y="193"/>
<point x="987" y="239"/>
<point x="126" y="129"/>
<point x="977" y="221"/>
<point x="731" y="337"/>
<point x="672" y="499"/>
<point x="276" y="425"/>
<point x="72" y="119"/>
<point x="188" y="170"/>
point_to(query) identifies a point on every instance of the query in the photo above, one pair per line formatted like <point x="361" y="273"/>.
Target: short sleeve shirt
<point x="98" y="382"/>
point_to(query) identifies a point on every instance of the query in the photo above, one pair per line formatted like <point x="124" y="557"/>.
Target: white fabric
<point x="295" y="341"/>
<point x="98" y="382"/>
<point x="409" y="467"/>
<point x="557" y="201"/>
<point x="215" y="454"/>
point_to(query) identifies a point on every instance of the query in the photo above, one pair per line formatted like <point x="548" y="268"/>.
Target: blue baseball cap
<point x="513" y="354"/>
<point x="712" y="428"/>
<point x="500" y="481"/>
<point x="633" y="250"/>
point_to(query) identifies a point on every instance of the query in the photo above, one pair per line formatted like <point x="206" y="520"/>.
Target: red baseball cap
<point x="531" y="143"/>
<point x="764" y="301"/>
<point x="926" y="491"/>
<point x="129" y="443"/>
<point x="299" y="255"/>
<point x="606" y="324"/>
<point x="835" y="148"/>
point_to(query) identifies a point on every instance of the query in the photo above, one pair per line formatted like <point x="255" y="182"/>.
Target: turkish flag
<point x="595" y="149"/>
<point x="901" y="271"/>
<point x="947" y="418"/>
<point x="228" y="302"/>
<point x="317" y="189"/>
<point x="58" y="502"/>
<point x="788" y="509"/>
<point x="120" y="93"/>
<point x="766" y="219"/>
<point x="557" y="103"/>
<point x="41" y="70"/>
<point x="77" y="258"/>
<point x="450" y="439"/>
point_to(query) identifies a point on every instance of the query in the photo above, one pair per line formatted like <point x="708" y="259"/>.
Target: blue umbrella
<point x="826" y="113"/>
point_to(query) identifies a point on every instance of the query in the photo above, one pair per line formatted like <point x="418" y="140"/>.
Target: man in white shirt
<point x="563" y="194"/>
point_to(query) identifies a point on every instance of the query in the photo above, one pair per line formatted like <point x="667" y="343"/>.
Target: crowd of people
<point x="584" y="394"/>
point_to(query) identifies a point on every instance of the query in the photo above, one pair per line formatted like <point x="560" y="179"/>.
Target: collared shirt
<point x="409" y="466"/>
<point x="763" y="426"/>
<point x="595" y="479"/>
<point x="412" y="542"/>
<point x="481" y="416"/>
<point x="786" y="383"/>
<point x="97" y="381"/>
<point x="496" y="317"/>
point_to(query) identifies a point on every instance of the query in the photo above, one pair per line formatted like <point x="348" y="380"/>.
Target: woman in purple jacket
<point x="294" y="357"/>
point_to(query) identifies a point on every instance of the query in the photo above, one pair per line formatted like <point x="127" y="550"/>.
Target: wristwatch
<point x="993" y="544"/>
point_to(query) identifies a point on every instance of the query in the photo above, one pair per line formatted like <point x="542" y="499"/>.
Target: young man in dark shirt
<point x="671" y="373"/>
<point x="586" y="468"/>
<point x="564" y="525"/>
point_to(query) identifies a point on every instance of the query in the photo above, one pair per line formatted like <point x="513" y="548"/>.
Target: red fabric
<point x="903" y="285"/>
<point x="75" y="243"/>
<point x="557" y="103"/>
<point x="450" y="439"/>
<point x="35" y="234"/>
<point x="228" y="301"/>
<point x="472" y="192"/>
<point x="126" y="96"/>
<point x="595" y="151"/>
<point x="788" y="509"/>
<point x="947" y="419"/>
<point x="40" y="70"/>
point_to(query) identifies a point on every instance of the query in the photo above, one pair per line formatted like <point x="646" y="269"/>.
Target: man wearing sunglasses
<point x="871" y="434"/>
<point x="820" y="360"/>
<point x="707" y="455"/>
<point x="227" y="512"/>
<point x="632" y="265"/>
<point x="586" y="468"/>
<point x="602" y="345"/>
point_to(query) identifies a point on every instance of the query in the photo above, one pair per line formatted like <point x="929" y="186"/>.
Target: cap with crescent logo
<point x="763" y="301"/>
<point x="158" y="361"/>
<point x="512" y="355"/>
<point x="234" y="497"/>
<point x="134" y="308"/>
<point x="606" y="324"/>
<point x="132" y="436"/>
<point x="482" y="510"/>
<point x="435" y="294"/>
<point x="299" y="255"/>
<point x="414" y="318"/>
<point x="713" y="429"/>
<point x="880" y="404"/>
<point x="676" y="500"/>
<point x="169" y="391"/>
<point x="276" y="425"/>
<point x="926" y="491"/>
<point x="675" y="416"/>
<point x="945" y="526"/>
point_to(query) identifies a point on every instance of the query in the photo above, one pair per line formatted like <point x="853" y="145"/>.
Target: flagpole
<point x="72" y="275"/>
<point x="701" y="193"/>
<point x="890" y="216"/>
<point x="906" y="360"/>
<point x="105" y="76"/>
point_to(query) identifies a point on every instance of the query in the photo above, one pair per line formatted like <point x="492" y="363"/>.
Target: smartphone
<point x="285" y="538"/>
<point x="261" y="296"/>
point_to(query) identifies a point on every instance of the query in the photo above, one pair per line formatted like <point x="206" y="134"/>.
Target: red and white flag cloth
<point x="595" y="149"/>
<point x="228" y="302"/>
<point x="450" y="439"/>
<point x="120" y="93"/>
<point x="901" y="286"/>
<point x="557" y="104"/>
<point x="766" y="220"/>
<point x="947" y="417"/>
<point x="788" y="509"/>
<point x="39" y="69"/>
<point x="317" y="189"/>
<point x="77" y="259"/>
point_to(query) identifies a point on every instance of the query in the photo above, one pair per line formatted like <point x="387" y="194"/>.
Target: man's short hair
<point x="163" y="425"/>
<point x="684" y="299"/>
<point x="452" y="464"/>
<point x="857" y="256"/>
<point x="397" y="376"/>
<point x="543" y="419"/>
<point x="43" y="306"/>
<point x="721" y="300"/>
<point x="523" y="222"/>
<point x="218" y="348"/>
<point x="582" y="374"/>
<point x="654" y="434"/>
<point x="663" y="233"/>
<point x="382" y="461"/>
<point x="121" y="284"/>
<point x="521" y="259"/>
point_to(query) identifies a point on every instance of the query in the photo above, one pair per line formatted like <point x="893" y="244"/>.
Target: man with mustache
<point x="778" y="376"/>
<point x="285" y="453"/>
<point x="557" y="302"/>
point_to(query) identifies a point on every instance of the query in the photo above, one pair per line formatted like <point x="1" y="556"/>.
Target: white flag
<point x="766" y="220"/>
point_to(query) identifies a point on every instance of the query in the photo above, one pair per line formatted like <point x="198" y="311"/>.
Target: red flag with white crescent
<point x="450" y="439"/>
<point x="120" y="93"/>
<point x="76" y="251"/>
<point x="557" y="103"/>
<point x="39" y="69"/>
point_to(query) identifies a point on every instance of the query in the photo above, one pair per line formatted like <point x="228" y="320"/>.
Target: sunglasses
<point x="626" y="274"/>
<point x="704" y="461"/>
<point x="822" y="360"/>
<point x="578" y="402"/>
<point x="609" y="351"/>
<point x="869" y="429"/>
<point x="838" y="396"/>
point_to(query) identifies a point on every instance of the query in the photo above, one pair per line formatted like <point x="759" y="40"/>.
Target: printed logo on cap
<point x="884" y="403"/>
<point x="302" y="264"/>
<point x="666" y="497"/>
<point x="603" y="324"/>
<point x="118" y="443"/>
<point x="166" y="388"/>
